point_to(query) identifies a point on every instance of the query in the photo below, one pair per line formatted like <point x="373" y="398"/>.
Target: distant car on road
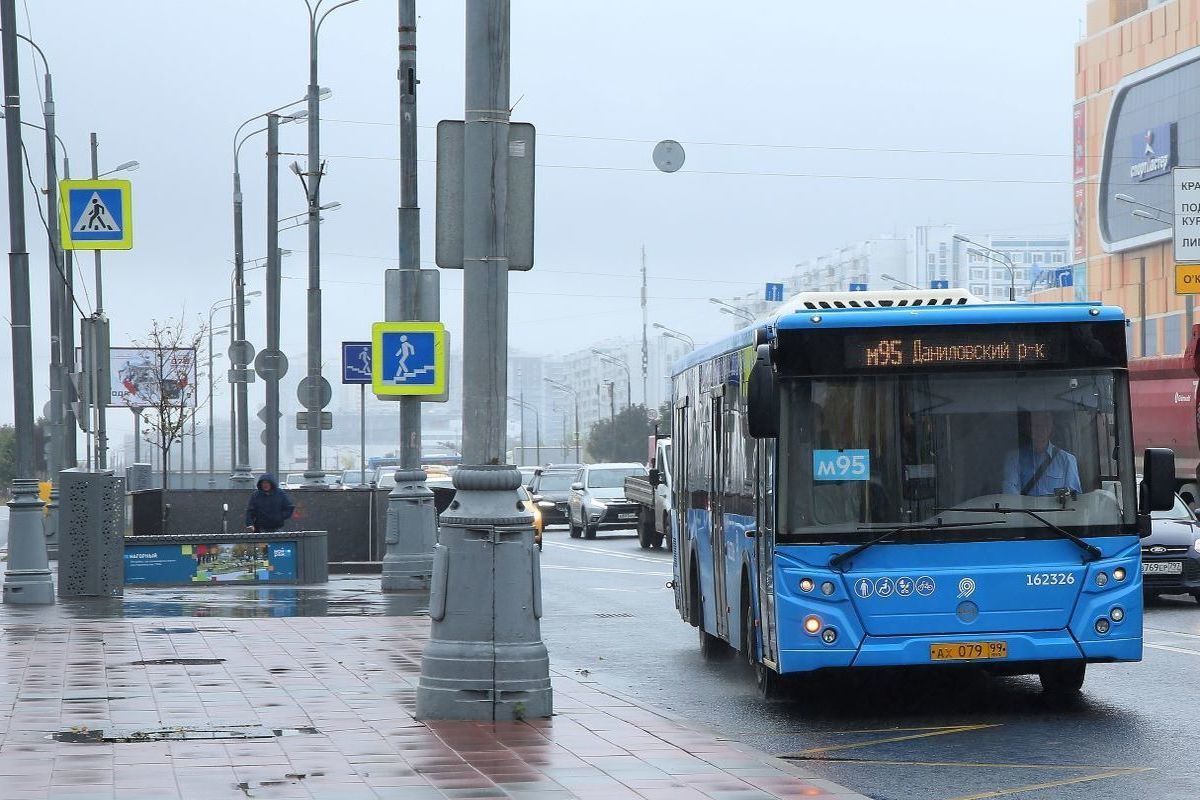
<point x="597" y="501"/>
<point x="294" y="480"/>
<point x="551" y="488"/>
<point x="1171" y="553"/>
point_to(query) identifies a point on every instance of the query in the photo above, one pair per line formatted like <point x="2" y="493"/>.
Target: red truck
<point x="1163" y="392"/>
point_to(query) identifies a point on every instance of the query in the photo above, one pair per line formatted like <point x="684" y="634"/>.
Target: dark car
<point x="550" y="489"/>
<point x="1170" y="558"/>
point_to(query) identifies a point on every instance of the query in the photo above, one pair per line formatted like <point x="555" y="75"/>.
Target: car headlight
<point x="545" y="504"/>
<point x="1196" y="545"/>
<point x="596" y="504"/>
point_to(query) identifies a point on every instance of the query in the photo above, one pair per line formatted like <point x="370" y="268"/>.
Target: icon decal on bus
<point x="841" y="465"/>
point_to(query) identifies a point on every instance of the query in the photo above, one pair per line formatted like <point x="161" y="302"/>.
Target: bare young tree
<point x="162" y="382"/>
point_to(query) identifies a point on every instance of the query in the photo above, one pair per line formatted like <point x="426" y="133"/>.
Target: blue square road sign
<point x="408" y="358"/>
<point x="356" y="362"/>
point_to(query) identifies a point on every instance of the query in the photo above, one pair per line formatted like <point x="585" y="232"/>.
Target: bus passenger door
<point x="765" y="546"/>
<point x="680" y="502"/>
<point x="716" y="518"/>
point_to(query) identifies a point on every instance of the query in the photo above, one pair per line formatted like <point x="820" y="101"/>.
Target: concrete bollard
<point x="410" y="533"/>
<point x="485" y="659"/>
<point x="27" y="579"/>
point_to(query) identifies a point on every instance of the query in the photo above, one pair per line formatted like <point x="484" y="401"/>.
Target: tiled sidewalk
<point x="322" y="707"/>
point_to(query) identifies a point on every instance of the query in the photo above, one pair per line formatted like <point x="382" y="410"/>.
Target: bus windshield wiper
<point x="1092" y="553"/>
<point x="836" y="561"/>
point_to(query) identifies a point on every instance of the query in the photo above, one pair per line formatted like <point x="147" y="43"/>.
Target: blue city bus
<point x="882" y="479"/>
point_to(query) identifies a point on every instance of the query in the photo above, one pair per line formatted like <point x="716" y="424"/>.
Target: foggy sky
<point x="788" y="90"/>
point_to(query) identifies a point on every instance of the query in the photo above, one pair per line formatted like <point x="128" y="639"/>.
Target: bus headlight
<point x="812" y="624"/>
<point x="1119" y="573"/>
<point x="1117" y="614"/>
<point x="1102" y="626"/>
<point x="1101" y="578"/>
<point x="806" y="584"/>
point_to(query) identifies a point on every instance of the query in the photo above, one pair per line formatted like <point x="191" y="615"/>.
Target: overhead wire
<point x="55" y="245"/>
<point x="757" y="145"/>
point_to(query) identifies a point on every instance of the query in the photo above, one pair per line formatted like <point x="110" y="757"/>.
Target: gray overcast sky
<point x="167" y="82"/>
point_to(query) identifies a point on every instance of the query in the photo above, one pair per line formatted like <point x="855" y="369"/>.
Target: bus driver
<point x="1039" y="467"/>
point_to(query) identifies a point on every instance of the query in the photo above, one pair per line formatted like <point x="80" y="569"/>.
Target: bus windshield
<point x="860" y="454"/>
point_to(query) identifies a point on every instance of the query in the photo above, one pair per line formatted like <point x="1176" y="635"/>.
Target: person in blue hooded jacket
<point x="269" y="506"/>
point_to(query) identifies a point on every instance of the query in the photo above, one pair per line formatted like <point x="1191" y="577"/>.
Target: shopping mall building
<point x="1136" y="116"/>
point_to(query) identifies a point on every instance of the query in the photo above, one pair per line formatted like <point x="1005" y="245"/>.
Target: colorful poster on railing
<point x="240" y="562"/>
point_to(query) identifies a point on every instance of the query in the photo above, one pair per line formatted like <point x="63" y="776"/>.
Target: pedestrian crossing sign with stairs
<point x="408" y="358"/>
<point x="96" y="214"/>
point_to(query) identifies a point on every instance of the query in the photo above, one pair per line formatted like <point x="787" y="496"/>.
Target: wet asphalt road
<point x="935" y="736"/>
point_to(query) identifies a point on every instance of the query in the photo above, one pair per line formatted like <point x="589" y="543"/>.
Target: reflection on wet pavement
<point x="343" y="596"/>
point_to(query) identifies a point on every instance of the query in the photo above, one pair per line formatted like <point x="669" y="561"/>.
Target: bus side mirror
<point x="1158" y="480"/>
<point x="762" y="397"/>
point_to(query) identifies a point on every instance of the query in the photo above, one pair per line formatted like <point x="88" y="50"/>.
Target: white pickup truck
<point x="652" y="494"/>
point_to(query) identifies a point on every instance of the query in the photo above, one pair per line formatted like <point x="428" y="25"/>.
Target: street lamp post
<point x="27" y="575"/>
<point x="991" y="254"/>
<point x="100" y="393"/>
<point x="730" y="308"/>
<point x="312" y="189"/>
<point x="537" y="421"/>
<point x="894" y="279"/>
<point x="620" y="362"/>
<point x="562" y="387"/>
<point x="212" y="481"/>
<point x="674" y="334"/>
<point x="240" y="451"/>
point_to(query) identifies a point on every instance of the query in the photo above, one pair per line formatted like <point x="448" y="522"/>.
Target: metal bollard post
<point x="410" y="534"/>
<point x="485" y="659"/>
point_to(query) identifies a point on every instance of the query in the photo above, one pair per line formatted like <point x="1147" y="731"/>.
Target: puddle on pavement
<point x="85" y="735"/>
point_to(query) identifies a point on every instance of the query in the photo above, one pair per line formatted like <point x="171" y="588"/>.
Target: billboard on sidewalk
<point x="144" y="377"/>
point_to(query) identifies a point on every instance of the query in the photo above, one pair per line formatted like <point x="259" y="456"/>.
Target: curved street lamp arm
<point x="320" y="21"/>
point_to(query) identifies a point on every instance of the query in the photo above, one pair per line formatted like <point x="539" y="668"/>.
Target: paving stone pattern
<point x="353" y="680"/>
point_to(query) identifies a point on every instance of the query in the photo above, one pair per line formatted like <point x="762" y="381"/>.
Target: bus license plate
<point x="1162" y="567"/>
<point x="967" y="651"/>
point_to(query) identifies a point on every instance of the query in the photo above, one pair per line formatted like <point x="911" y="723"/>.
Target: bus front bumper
<point x="1022" y="648"/>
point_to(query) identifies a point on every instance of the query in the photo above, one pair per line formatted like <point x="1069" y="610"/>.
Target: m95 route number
<point x="1049" y="579"/>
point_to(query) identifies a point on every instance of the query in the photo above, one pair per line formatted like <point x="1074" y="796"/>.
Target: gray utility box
<point x="223" y="559"/>
<point x="91" y="534"/>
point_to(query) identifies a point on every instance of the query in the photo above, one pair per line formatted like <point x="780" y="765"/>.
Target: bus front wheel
<point x="1063" y="678"/>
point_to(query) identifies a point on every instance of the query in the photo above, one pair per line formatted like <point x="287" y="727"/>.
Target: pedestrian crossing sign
<point x="408" y="358"/>
<point x="95" y="214"/>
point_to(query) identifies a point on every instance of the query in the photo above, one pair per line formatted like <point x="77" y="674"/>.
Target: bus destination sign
<point x="900" y="349"/>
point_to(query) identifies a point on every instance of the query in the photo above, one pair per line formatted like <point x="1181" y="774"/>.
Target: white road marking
<point x="606" y="569"/>
<point x="1173" y="649"/>
<point x="1175" y="633"/>
<point x="603" y="552"/>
